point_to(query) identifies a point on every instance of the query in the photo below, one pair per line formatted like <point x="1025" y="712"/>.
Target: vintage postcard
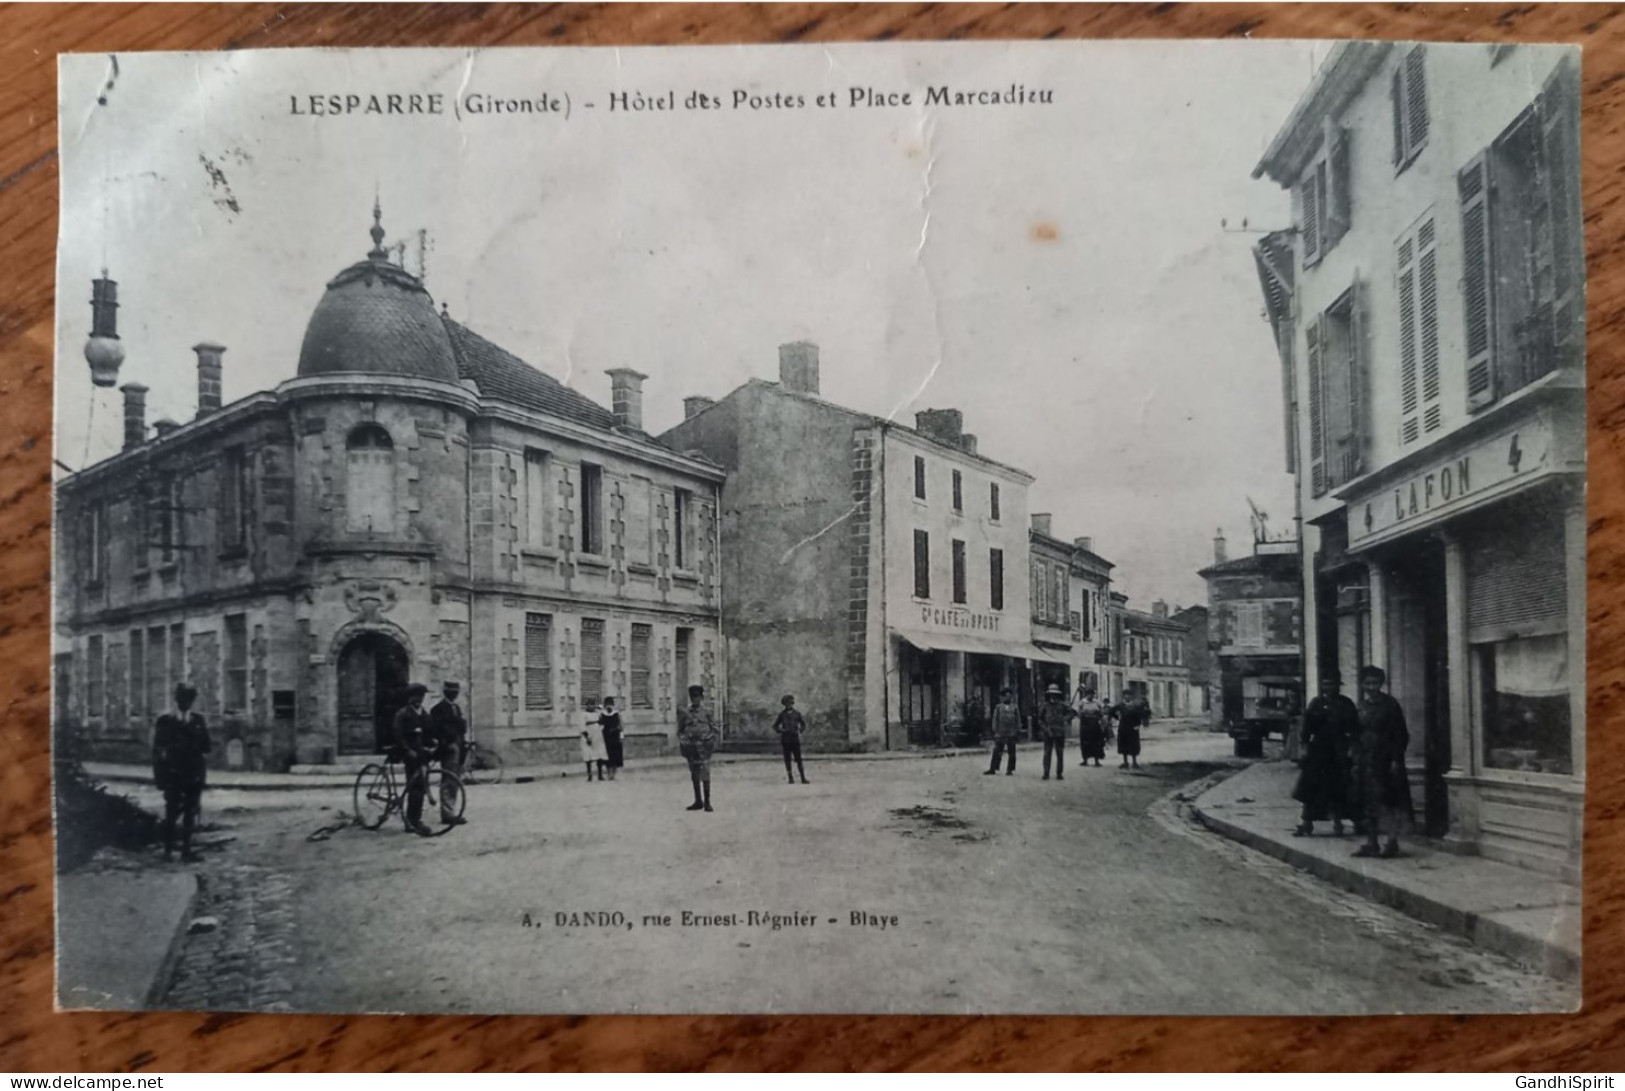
<point x="985" y="528"/>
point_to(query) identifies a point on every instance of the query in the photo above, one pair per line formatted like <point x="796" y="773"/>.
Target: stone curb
<point x="172" y="955"/>
<point x="1489" y="934"/>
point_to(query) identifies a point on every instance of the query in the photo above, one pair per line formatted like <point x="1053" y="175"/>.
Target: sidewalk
<point x="1531" y="918"/>
<point x="343" y="774"/>
<point x="125" y="917"/>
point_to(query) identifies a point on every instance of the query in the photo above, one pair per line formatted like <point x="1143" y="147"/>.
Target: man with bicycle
<point x="450" y="728"/>
<point x="414" y="742"/>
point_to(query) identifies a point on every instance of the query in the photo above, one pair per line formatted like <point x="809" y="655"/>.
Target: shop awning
<point x="974" y="643"/>
<point x="1048" y="655"/>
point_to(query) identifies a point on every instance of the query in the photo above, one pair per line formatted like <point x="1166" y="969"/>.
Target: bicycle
<point x="481" y="765"/>
<point x="377" y="797"/>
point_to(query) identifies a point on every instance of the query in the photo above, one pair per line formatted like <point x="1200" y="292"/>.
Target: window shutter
<point x="592" y="661"/>
<point x="641" y="695"/>
<point x="1396" y="98"/>
<point x="1416" y="99"/>
<point x="538" y="661"/>
<point x="1473" y="184"/>
<point x="1560" y="128"/>
<point x="1340" y="214"/>
<point x="1427" y="320"/>
<point x="1408" y="426"/>
<point x="1354" y="373"/>
<point x="1317" y="431"/>
<point x="1311" y="220"/>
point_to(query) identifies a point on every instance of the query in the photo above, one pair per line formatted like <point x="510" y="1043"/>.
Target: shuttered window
<point x="538" y="478"/>
<point x="1337" y="426"/>
<point x="592" y="509"/>
<point x="159" y="693"/>
<point x="138" y="676"/>
<point x="592" y="662"/>
<point x="95" y="666"/>
<point x="1040" y="588"/>
<point x="959" y="571"/>
<point x="1317" y="411"/>
<point x="1310" y="193"/>
<point x="1523" y="267"/>
<point x="236" y="672"/>
<point x="919" y="478"/>
<point x="993" y="501"/>
<point x="370" y="480"/>
<point x="642" y="636"/>
<point x="1418" y="285"/>
<point x="538" y="661"/>
<point x="1408" y="99"/>
<point x="922" y="564"/>
<point x="995" y="575"/>
<point x="637" y="520"/>
<point x="959" y="491"/>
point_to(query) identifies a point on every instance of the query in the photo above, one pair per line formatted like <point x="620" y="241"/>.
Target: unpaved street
<point x="972" y="893"/>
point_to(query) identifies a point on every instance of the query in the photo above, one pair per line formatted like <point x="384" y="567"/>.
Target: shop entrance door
<point x="373" y="676"/>
<point x="1419" y="671"/>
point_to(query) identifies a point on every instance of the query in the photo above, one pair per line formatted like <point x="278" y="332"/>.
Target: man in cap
<point x="697" y="739"/>
<point x="1006" y="729"/>
<point x="1053" y="716"/>
<point x="791" y="725"/>
<point x="413" y="736"/>
<point x="450" y="729"/>
<point x="180" y="741"/>
<point x="1381" y="783"/>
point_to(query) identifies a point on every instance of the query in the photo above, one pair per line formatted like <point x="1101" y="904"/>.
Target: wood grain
<point x="34" y="1038"/>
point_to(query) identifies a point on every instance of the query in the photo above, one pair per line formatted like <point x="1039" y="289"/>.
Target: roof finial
<point x="377" y="253"/>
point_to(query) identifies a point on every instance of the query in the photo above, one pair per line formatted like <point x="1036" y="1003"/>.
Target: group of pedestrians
<point x="1098" y="723"/>
<point x="1353" y="764"/>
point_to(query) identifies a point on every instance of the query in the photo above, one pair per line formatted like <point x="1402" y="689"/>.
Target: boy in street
<point x="791" y="725"/>
<point x="1006" y="727"/>
<point x="180" y="739"/>
<point x="697" y="738"/>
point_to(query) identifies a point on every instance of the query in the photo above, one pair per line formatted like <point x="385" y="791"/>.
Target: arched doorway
<point x="373" y="674"/>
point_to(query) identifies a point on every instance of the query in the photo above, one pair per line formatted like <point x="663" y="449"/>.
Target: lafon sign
<point x="1452" y="483"/>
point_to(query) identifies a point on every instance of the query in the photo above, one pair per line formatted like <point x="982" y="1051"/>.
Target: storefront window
<point x="1523" y="695"/>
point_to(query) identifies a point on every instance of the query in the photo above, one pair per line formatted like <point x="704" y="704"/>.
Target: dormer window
<point x="370" y="479"/>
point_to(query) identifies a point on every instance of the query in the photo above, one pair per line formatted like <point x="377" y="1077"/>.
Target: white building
<point x="1429" y="309"/>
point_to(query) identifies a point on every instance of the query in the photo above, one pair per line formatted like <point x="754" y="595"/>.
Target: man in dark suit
<point x="1381" y="781"/>
<point x="180" y="743"/>
<point x="450" y="729"/>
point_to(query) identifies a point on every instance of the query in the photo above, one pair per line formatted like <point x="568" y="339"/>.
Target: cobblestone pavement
<point x="246" y="961"/>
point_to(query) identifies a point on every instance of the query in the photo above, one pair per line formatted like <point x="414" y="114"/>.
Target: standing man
<point x="1380" y="779"/>
<point x="450" y="729"/>
<point x="180" y="739"/>
<point x="1330" y="725"/>
<point x="413" y="735"/>
<point x="1091" y="727"/>
<point x="1053" y="717"/>
<point x="697" y="739"/>
<point x="791" y="725"/>
<point x="1006" y="730"/>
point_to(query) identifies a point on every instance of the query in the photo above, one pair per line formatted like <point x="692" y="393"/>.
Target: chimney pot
<point x="695" y="405"/>
<point x="1084" y="543"/>
<point x="164" y="427"/>
<point x="208" y="376"/>
<point x="967" y="443"/>
<point x="626" y="397"/>
<point x="1219" y="553"/>
<point x="1041" y="522"/>
<point x="135" y="414"/>
<point x="798" y="367"/>
<point x="1159" y="609"/>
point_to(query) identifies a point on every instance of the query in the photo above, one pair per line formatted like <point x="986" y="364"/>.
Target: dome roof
<point x="376" y="317"/>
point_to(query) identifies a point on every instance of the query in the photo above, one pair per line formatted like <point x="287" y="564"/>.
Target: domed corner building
<point x="417" y="505"/>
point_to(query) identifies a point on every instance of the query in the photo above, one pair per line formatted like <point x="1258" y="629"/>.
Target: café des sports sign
<point x="934" y="618"/>
<point x="1451" y="484"/>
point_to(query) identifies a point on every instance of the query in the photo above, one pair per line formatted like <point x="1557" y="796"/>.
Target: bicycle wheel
<point x="444" y="798"/>
<point x="374" y="796"/>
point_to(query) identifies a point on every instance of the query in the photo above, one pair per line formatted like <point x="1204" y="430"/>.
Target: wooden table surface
<point x="34" y="1038"/>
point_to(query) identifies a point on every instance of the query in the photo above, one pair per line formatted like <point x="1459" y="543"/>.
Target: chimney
<point x="943" y="425"/>
<point x="967" y="443"/>
<point x="1219" y="555"/>
<point x="208" y="377"/>
<point x="1041" y="522"/>
<point x="1085" y="544"/>
<point x="135" y="414"/>
<point x="164" y="427"/>
<point x="626" y="397"/>
<point x="798" y="367"/>
<point x="694" y="406"/>
<point x="1159" y="609"/>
